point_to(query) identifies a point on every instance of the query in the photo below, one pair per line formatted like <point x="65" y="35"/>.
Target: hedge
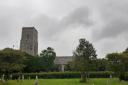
<point x="123" y="77"/>
<point x="58" y="75"/>
<point x="49" y="75"/>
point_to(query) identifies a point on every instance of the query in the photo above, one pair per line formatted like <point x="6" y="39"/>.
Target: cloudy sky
<point x="61" y="23"/>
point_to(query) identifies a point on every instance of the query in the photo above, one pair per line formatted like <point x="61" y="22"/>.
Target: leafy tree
<point x="118" y="62"/>
<point x="114" y="62"/>
<point x="11" y="60"/>
<point x="48" y="57"/>
<point x="33" y="64"/>
<point x="83" y="56"/>
<point x="43" y="62"/>
<point x="101" y="64"/>
<point x="126" y="50"/>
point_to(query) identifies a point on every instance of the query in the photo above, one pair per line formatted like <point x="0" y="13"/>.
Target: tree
<point x="83" y="56"/>
<point x="11" y="60"/>
<point x="101" y="64"/>
<point x="118" y="62"/>
<point x="126" y="50"/>
<point x="114" y="62"/>
<point x="48" y="57"/>
<point x="33" y="64"/>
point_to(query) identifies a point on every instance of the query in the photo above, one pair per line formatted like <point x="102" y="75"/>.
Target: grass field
<point x="100" y="81"/>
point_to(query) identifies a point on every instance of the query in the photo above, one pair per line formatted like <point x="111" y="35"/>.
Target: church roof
<point x="63" y="59"/>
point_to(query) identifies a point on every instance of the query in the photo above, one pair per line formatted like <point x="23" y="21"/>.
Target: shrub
<point x="101" y="74"/>
<point x="49" y="75"/>
<point x="58" y="75"/>
<point x="123" y="77"/>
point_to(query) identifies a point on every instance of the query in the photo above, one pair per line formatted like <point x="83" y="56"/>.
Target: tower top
<point x="29" y="28"/>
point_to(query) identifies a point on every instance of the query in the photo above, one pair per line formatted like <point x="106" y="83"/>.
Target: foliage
<point x="43" y="62"/>
<point x="118" y="62"/>
<point x="12" y="60"/>
<point x="33" y="65"/>
<point x="101" y="65"/>
<point x="126" y="50"/>
<point x="83" y="57"/>
<point x="58" y="75"/>
<point x="47" y="58"/>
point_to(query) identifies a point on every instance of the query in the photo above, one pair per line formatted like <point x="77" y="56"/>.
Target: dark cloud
<point x="115" y="19"/>
<point x="113" y="29"/>
<point x="111" y="34"/>
<point x="80" y="16"/>
<point x="51" y="27"/>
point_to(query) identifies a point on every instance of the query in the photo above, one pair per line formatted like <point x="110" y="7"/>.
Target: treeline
<point x="84" y="61"/>
<point x="111" y="62"/>
<point x="15" y="61"/>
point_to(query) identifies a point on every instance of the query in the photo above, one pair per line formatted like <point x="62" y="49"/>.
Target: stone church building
<point x="29" y="44"/>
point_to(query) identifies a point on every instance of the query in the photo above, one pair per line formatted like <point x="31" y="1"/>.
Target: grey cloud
<point x="80" y="16"/>
<point x="50" y="27"/>
<point x="114" y="29"/>
<point x="11" y="18"/>
<point x="115" y="20"/>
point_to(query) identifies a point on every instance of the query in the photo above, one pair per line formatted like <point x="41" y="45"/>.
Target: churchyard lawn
<point x="96" y="81"/>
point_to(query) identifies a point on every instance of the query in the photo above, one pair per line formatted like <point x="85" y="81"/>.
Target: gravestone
<point x="36" y="77"/>
<point x="18" y="79"/>
<point x="36" y="81"/>
<point x="3" y="77"/>
<point x="29" y="78"/>
<point x="10" y="76"/>
<point x="22" y="77"/>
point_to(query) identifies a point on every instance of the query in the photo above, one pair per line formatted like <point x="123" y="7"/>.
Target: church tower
<point x="29" y="40"/>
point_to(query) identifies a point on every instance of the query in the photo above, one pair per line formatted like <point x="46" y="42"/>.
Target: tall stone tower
<point x="29" y="40"/>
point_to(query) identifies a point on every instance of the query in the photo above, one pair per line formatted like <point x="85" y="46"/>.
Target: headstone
<point x="36" y="82"/>
<point x="29" y="78"/>
<point x="18" y="79"/>
<point x="22" y="77"/>
<point x="36" y="77"/>
<point x="10" y="76"/>
<point x="110" y="76"/>
<point x="3" y="77"/>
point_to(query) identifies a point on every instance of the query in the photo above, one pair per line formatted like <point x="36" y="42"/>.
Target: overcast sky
<point x="61" y="23"/>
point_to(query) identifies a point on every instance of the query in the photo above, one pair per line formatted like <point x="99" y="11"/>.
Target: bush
<point x="123" y="77"/>
<point x="57" y="75"/>
<point x="101" y="74"/>
<point x="49" y="75"/>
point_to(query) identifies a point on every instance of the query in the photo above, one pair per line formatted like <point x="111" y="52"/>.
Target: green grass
<point x="96" y="81"/>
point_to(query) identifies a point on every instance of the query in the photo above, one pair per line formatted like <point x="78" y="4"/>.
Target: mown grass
<point x="96" y="81"/>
